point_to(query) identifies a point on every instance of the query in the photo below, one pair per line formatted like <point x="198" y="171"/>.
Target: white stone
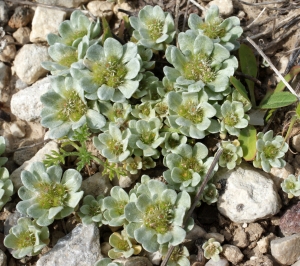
<point x="45" y="21"/>
<point x="155" y="257"/>
<point x="28" y="62"/>
<point x="3" y="13"/>
<point x="296" y="143"/>
<point x="101" y="9"/>
<point x="39" y="157"/>
<point x="26" y="104"/>
<point x="9" y="52"/>
<point x="221" y="262"/>
<point x="286" y="250"/>
<point x="81" y="247"/>
<point x="22" y="35"/>
<point x="5" y="75"/>
<point x="225" y="6"/>
<point x="96" y="185"/>
<point x="249" y="195"/>
<point x="232" y="254"/>
<point x="297" y="263"/>
<point x="66" y="3"/>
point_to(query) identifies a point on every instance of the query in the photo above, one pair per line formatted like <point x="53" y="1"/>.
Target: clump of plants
<point x="107" y="92"/>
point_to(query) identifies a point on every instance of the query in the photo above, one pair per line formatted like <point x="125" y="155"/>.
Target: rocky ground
<point x="254" y="220"/>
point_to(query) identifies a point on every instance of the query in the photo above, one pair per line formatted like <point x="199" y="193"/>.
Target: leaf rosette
<point x="233" y="118"/>
<point x="270" y="151"/>
<point x="200" y="62"/>
<point x="187" y="166"/>
<point x="226" y="32"/>
<point x="191" y="113"/>
<point x="232" y="154"/>
<point x="291" y="186"/>
<point x="92" y="210"/>
<point x="6" y="185"/>
<point x="48" y="193"/>
<point x="65" y="109"/>
<point x="156" y="216"/>
<point x="26" y="238"/>
<point x="113" y="71"/>
<point x="153" y="28"/>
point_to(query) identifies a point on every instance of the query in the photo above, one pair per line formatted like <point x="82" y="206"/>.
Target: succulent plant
<point x="65" y="109"/>
<point x="113" y="144"/>
<point x="114" y="205"/>
<point x="233" y="118"/>
<point x="187" y="166"/>
<point x="148" y="163"/>
<point x="191" y="113"/>
<point x="198" y="62"/>
<point x="210" y="194"/>
<point x="106" y="262"/>
<point x="156" y="216"/>
<point x="145" y="137"/>
<point x="291" y="186"/>
<point x="133" y="165"/>
<point x="226" y="32"/>
<point x="6" y="185"/>
<point x="113" y="71"/>
<point x="269" y="151"/>
<point x="144" y="111"/>
<point x="3" y="160"/>
<point x="116" y="113"/>
<point x="92" y="210"/>
<point x="123" y="246"/>
<point x="236" y="96"/>
<point x="153" y="28"/>
<point x="179" y="255"/>
<point x="212" y="249"/>
<point x="232" y="154"/>
<point x="47" y="195"/>
<point x="72" y="31"/>
<point x="171" y="143"/>
<point x="26" y="238"/>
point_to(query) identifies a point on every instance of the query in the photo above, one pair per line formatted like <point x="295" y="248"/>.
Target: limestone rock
<point x="221" y="262"/>
<point x="286" y="250"/>
<point x="21" y="17"/>
<point x="9" y="52"/>
<point x="28" y="62"/>
<point x="254" y="231"/>
<point x="66" y="3"/>
<point x="22" y="35"/>
<point x="96" y="185"/>
<point x="39" y="157"/>
<point x="101" y="9"/>
<point x="45" y="21"/>
<point x="249" y="195"/>
<point x="26" y="104"/>
<point x="290" y="220"/>
<point x="81" y="247"/>
<point x="240" y="238"/>
<point x="232" y="254"/>
<point x="225" y="7"/>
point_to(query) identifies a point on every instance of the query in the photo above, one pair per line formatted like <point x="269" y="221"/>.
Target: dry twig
<point x="273" y="67"/>
<point x="195" y="200"/>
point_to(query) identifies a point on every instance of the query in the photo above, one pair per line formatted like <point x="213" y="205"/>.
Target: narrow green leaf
<point x="248" y="67"/>
<point x="106" y="30"/>
<point x="294" y="72"/>
<point x="298" y="111"/>
<point x="247" y="140"/>
<point x="278" y="99"/>
<point x="240" y="87"/>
